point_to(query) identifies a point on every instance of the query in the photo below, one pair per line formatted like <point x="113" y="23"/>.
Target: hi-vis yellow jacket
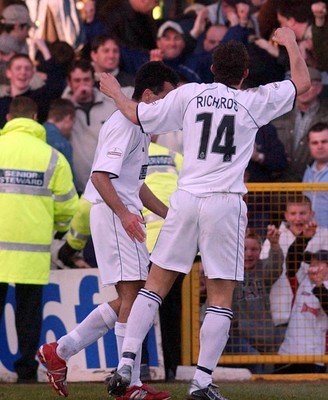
<point x="162" y="177"/>
<point x="79" y="229"/>
<point x="37" y="196"/>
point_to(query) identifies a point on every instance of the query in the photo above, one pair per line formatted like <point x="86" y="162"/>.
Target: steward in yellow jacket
<point x="162" y="176"/>
<point x="37" y="196"/>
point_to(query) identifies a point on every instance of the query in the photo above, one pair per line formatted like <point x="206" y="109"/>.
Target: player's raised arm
<point x="110" y="87"/>
<point x="298" y="68"/>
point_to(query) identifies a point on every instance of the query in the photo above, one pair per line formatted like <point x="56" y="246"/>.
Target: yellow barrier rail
<point x="191" y="297"/>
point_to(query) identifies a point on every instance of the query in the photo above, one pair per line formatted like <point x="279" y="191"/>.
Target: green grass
<point x="312" y="390"/>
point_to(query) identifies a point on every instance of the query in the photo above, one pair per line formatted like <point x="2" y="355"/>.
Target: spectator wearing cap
<point x="308" y="323"/>
<point x="172" y="50"/>
<point x="16" y="22"/>
<point x="293" y="127"/>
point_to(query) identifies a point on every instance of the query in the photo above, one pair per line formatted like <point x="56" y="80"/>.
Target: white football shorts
<point x="118" y="257"/>
<point x="214" y="225"/>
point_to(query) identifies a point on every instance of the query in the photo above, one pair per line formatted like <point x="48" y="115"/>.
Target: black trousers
<point x="170" y="317"/>
<point x="28" y="321"/>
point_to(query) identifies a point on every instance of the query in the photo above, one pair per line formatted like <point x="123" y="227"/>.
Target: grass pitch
<point x="261" y="390"/>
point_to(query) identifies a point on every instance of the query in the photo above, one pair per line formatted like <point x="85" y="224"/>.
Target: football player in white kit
<point x="118" y="193"/>
<point x="207" y="212"/>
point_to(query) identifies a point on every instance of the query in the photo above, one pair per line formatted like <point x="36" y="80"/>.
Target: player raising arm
<point x="282" y="36"/>
<point x="207" y="212"/>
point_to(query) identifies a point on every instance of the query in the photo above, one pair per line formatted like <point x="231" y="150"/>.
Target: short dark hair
<point x="230" y="60"/>
<point x="23" y="107"/>
<point x="59" y="108"/>
<point x="17" y="57"/>
<point x="83" y="65"/>
<point x="62" y="53"/>
<point x="318" y="127"/>
<point x="299" y="10"/>
<point x="252" y="234"/>
<point x="100" y="40"/>
<point x="153" y="75"/>
<point x="320" y="255"/>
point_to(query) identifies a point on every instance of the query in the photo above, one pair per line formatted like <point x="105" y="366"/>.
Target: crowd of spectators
<point x="53" y="53"/>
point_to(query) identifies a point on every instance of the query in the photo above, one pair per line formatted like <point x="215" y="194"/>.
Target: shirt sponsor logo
<point x="21" y="177"/>
<point x="115" y="152"/>
<point x="143" y="172"/>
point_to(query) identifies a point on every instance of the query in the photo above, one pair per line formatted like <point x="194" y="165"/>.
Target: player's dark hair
<point x="230" y="60"/>
<point x="23" y="107"/>
<point x="153" y="75"/>
<point x="60" y="108"/>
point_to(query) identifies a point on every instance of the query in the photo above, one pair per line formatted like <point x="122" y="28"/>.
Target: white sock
<point x="141" y="319"/>
<point x="135" y="378"/>
<point x="93" y="327"/>
<point x="120" y="329"/>
<point x="214" y="334"/>
<point x="119" y="333"/>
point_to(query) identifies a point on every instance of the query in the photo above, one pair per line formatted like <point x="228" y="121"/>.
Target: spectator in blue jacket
<point x="317" y="172"/>
<point x="61" y="118"/>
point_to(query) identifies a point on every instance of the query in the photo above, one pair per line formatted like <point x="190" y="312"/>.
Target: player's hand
<point x="109" y="85"/>
<point x="284" y="36"/>
<point x="156" y="55"/>
<point x="132" y="225"/>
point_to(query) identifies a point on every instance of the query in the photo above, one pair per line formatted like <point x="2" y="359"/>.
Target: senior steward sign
<point x="67" y="300"/>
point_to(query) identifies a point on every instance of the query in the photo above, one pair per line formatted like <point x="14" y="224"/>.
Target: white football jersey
<point x="219" y="126"/>
<point x="122" y="151"/>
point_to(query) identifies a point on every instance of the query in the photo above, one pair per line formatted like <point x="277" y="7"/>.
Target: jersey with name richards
<point x="219" y="126"/>
<point x="122" y="151"/>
